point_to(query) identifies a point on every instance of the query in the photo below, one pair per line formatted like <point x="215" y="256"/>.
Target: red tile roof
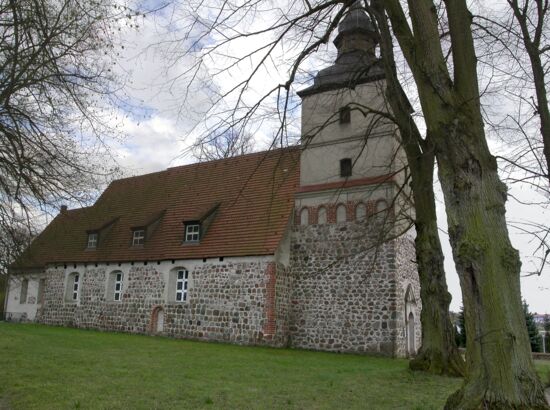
<point x="254" y="195"/>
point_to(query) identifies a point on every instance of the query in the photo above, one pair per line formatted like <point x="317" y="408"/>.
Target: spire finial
<point x="356" y="31"/>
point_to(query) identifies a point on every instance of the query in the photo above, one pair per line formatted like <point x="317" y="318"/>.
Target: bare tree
<point x="500" y="370"/>
<point x="229" y="144"/>
<point x="514" y="44"/>
<point x="438" y="352"/>
<point x="57" y="93"/>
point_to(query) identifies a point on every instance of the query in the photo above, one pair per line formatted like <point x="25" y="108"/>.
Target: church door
<point x="411" y="335"/>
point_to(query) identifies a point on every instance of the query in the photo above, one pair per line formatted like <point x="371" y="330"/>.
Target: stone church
<point x="304" y="247"/>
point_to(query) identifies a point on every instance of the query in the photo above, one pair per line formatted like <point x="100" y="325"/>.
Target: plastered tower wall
<point x="325" y="140"/>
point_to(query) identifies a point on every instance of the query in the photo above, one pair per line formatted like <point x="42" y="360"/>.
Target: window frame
<point x="184" y="281"/>
<point x="118" y="281"/>
<point x="138" y="240"/>
<point x="196" y="232"/>
<point x="75" y="293"/>
<point x="92" y="244"/>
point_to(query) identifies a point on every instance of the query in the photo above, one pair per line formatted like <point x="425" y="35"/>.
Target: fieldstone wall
<point x="407" y="275"/>
<point x="346" y="292"/>
<point x="225" y="302"/>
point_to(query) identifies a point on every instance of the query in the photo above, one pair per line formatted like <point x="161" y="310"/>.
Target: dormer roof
<point x="250" y="197"/>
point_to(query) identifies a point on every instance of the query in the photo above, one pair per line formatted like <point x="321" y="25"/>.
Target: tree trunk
<point x="438" y="353"/>
<point x="500" y="370"/>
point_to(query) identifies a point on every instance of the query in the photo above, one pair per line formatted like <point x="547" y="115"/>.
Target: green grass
<point x="58" y="368"/>
<point x="543" y="368"/>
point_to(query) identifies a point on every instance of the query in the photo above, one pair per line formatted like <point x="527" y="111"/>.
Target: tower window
<point x="345" y="167"/>
<point x="345" y="115"/>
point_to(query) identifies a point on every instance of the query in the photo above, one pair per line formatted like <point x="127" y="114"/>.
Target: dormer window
<point x="138" y="237"/>
<point x="192" y="232"/>
<point x="92" y="240"/>
<point x="345" y="115"/>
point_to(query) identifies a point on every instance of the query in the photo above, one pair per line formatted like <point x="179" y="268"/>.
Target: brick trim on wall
<point x="270" y="325"/>
<point x="154" y="318"/>
<point x="313" y="211"/>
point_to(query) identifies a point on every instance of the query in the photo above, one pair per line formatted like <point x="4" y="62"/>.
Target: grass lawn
<point x="47" y="367"/>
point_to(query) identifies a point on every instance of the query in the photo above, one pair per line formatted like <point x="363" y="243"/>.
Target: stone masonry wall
<point x="407" y="275"/>
<point x="345" y="294"/>
<point x="226" y="301"/>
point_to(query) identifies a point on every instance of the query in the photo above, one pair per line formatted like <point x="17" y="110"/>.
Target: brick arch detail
<point x="153" y="321"/>
<point x="330" y="208"/>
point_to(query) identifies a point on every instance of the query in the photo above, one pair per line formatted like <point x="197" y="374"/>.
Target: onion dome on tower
<point x="356" y="62"/>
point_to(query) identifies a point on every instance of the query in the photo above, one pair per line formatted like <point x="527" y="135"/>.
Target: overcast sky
<point x="166" y="124"/>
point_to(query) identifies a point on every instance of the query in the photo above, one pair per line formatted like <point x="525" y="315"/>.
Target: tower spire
<point x="356" y="32"/>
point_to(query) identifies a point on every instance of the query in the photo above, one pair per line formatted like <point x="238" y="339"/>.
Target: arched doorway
<point x="410" y="324"/>
<point x="156" y="324"/>
<point x="411" y="347"/>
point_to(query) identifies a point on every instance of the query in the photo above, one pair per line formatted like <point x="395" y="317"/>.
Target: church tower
<point x="351" y="277"/>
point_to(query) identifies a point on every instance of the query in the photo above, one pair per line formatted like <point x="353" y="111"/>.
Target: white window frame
<point x="117" y="292"/>
<point x="75" y="287"/>
<point x="92" y="240"/>
<point x="138" y="237"/>
<point x="182" y="284"/>
<point x="192" y="232"/>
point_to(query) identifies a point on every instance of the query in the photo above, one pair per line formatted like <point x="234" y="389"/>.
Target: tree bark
<point x="500" y="370"/>
<point x="438" y="353"/>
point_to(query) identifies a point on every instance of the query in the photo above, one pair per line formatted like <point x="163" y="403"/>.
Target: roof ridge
<point x="236" y="157"/>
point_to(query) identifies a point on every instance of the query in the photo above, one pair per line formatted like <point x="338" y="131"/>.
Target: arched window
<point x="178" y="285"/>
<point x="72" y="291"/>
<point x="341" y="213"/>
<point x="304" y="216"/>
<point x="115" y="282"/>
<point x="361" y="212"/>
<point x="322" y="216"/>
